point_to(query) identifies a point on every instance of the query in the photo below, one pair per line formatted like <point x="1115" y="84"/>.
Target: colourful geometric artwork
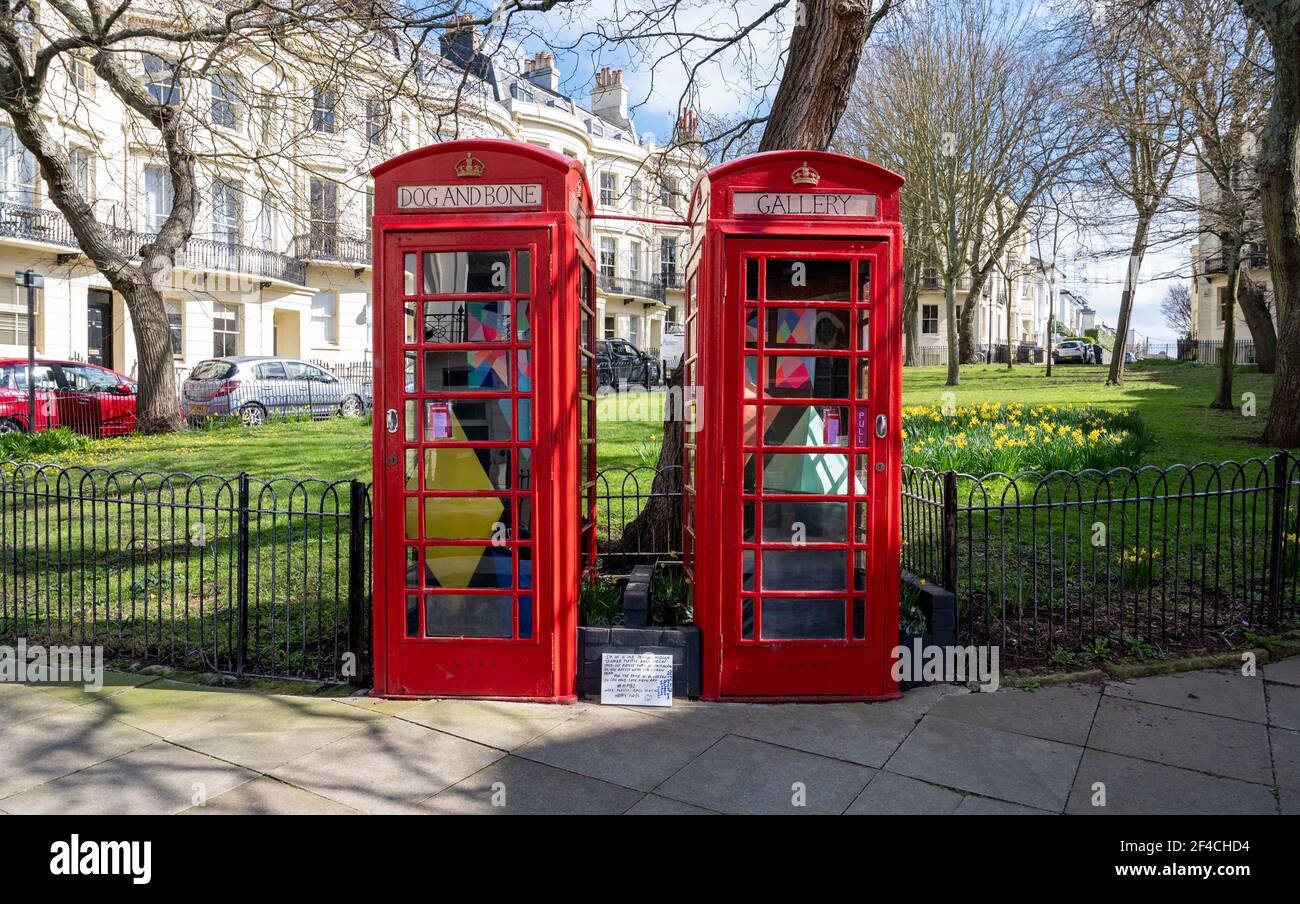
<point x="488" y="370"/>
<point x="524" y="378"/>
<point x="751" y="329"/>
<point x="487" y="321"/>
<point x="795" y="326"/>
<point x="793" y="373"/>
<point x="523" y="326"/>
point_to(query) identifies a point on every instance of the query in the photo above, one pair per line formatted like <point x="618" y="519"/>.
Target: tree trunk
<point x="819" y="72"/>
<point x="1223" y="398"/>
<point x="1259" y="320"/>
<point x="969" y="307"/>
<point x="1137" y="251"/>
<point x="954" y="344"/>
<point x="910" y="297"/>
<point x="658" y="526"/>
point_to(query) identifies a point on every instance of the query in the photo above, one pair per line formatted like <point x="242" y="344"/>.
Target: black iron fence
<point x="1210" y="351"/>
<point x="236" y="575"/>
<point x="622" y="493"/>
<point x="1051" y="565"/>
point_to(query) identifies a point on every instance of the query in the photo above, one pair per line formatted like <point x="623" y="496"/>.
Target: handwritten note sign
<point x="636" y="679"/>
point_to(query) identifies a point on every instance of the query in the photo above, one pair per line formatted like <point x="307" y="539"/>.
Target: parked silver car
<point x="258" y="387"/>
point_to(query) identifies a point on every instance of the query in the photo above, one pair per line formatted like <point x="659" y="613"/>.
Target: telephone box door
<point x="459" y="447"/>
<point x="807" y="449"/>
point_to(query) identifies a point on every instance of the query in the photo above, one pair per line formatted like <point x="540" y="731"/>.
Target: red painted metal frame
<point x="543" y="667"/>
<point x="769" y="670"/>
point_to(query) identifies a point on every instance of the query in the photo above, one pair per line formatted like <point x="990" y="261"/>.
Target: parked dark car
<point x="254" y="388"/>
<point x="619" y="362"/>
<point x="86" y="398"/>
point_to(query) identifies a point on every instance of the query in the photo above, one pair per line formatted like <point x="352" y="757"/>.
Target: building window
<point x="1222" y="306"/>
<point x="634" y="331"/>
<point x="376" y="121"/>
<point x="669" y="191"/>
<point x="668" y="260"/>
<point x="266" y="222"/>
<point x="17" y="170"/>
<point x="634" y="194"/>
<point x="671" y="316"/>
<point x="608" y="188"/>
<point x="610" y="330"/>
<point x="323" y="102"/>
<point x="225" y="330"/>
<point x="163" y="79"/>
<point x="634" y="260"/>
<point x="175" y="323"/>
<point x="82" y="76"/>
<point x="13" y="317"/>
<point x="224" y="100"/>
<point x="608" y="256"/>
<point x="324" y="209"/>
<point x="930" y="319"/>
<point x="80" y="162"/>
<point x="370" y="214"/>
<point x="157" y="198"/>
<point x="225" y="212"/>
<point x="325" y="317"/>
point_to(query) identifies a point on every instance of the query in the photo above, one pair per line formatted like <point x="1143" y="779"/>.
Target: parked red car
<point x="86" y="398"/>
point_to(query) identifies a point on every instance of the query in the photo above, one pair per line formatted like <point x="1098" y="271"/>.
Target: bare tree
<point x="1176" y="308"/>
<point x="1278" y="151"/>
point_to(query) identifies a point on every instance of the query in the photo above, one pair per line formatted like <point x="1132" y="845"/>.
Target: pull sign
<point x="864" y="427"/>
<point x="831" y="429"/>
<point x="390" y="420"/>
<point x="439" y="421"/>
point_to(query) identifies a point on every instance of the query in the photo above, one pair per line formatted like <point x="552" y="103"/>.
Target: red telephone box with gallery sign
<point x="484" y="450"/>
<point x="792" y="451"/>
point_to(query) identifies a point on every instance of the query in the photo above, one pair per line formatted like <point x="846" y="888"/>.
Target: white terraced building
<point x="280" y="259"/>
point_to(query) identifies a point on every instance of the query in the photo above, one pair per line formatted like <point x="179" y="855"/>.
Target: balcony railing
<point x="317" y="246"/>
<point x="17" y="221"/>
<point x="1254" y="257"/>
<point x="626" y="285"/>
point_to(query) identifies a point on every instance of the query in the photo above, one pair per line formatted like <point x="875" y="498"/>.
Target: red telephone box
<point x="792" y="453"/>
<point x="484" y="450"/>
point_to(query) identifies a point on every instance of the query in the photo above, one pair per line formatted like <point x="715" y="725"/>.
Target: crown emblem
<point x="469" y="168"/>
<point x="805" y="175"/>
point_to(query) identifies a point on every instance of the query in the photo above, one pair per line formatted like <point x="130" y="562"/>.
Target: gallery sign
<point x="522" y="195"/>
<point x="803" y="204"/>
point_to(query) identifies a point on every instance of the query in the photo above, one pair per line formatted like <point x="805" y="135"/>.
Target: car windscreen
<point x="212" y="370"/>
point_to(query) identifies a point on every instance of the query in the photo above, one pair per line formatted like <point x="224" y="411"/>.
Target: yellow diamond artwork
<point x="459" y="518"/>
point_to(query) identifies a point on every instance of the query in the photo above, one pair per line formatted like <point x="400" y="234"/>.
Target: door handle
<point x="390" y="420"/>
<point x="882" y="426"/>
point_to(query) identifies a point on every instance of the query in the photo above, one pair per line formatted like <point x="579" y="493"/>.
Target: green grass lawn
<point x="1173" y="399"/>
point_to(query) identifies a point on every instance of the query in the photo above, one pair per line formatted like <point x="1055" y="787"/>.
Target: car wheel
<point x="252" y="415"/>
<point x="10" y="426"/>
<point x="352" y="407"/>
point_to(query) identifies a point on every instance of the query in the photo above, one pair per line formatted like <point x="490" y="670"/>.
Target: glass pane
<point x="751" y="279"/>
<point x="449" y="469"/>
<point x="525" y="420"/>
<point x="409" y="381"/>
<point x="864" y="331"/>
<point x="467" y="371"/>
<point x="525" y="457"/>
<point x="786" y="618"/>
<point x="751" y="377"/>
<point x="410" y="271"/>
<point x="860" y="569"/>
<point x="808" y="280"/>
<point x="803" y="569"/>
<point x="412" y="420"/>
<point x="751" y="328"/>
<point x="412" y="317"/>
<point x="469" y="567"/>
<point x="413" y="469"/>
<point x="523" y="326"/>
<point x="807" y="328"/>
<point x="747" y="618"/>
<point x="412" y="518"/>
<point x="525" y="526"/>
<point x="864" y="379"/>
<point x="413" y="566"/>
<point x="805" y="425"/>
<point x="524" y="554"/>
<point x="861" y="522"/>
<point x="814" y="473"/>
<point x="412" y="615"/>
<point x="809" y="522"/>
<point x="524" y="273"/>
<point x="525" y="617"/>
<point x="467" y="517"/>
<point x="524" y="376"/>
<point x="466" y="321"/>
<point x="459" y="615"/>
<point x="747" y="569"/>
<point x="750" y="419"/>
<point x="473" y="420"/>
<point x="456" y="272"/>
<point x="807" y="376"/>
<point x="859" y="619"/>
<point x="864" y="281"/>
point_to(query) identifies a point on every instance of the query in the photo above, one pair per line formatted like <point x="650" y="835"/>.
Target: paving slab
<point x="862" y="733"/>
<point x="159" y="779"/>
<point x="1283" y="671"/>
<point x="1137" y="787"/>
<point x="71" y="739"/>
<point x="505" y="726"/>
<point x="167" y="708"/>
<point x="1285" y="746"/>
<point x="387" y="767"/>
<point x="974" y="805"/>
<point x="1061" y="713"/>
<point x="513" y="786"/>
<point x="20" y="703"/>
<point x="114" y="683"/>
<point x="625" y="748"/>
<point x="1218" y="692"/>
<point x="654" y="805"/>
<point x="1177" y="737"/>
<point x="897" y="795"/>
<point x="1283" y="705"/>
<point x="380" y="705"/>
<point x="741" y="775"/>
<point x="1013" y="767"/>
<point x="275" y="730"/>
<point x="266" y="796"/>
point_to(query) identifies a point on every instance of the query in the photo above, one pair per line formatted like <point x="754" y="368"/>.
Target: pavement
<point x="1196" y="742"/>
